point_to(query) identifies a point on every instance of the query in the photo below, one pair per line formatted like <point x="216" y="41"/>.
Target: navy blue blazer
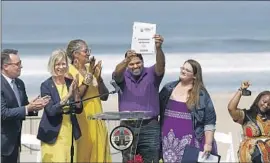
<point x="12" y="115"/>
<point x="52" y="117"/>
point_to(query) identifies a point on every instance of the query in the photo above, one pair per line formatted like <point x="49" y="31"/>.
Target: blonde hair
<point x="57" y="55"/>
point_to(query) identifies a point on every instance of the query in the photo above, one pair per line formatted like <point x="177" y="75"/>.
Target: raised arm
<point x="160" y="58"/>
<point x="119" y="71"/>
<point x="237" y="114"/>
<point x="118" y="74"/>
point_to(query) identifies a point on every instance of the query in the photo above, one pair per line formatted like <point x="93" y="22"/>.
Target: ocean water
<point x="231" y="40"/>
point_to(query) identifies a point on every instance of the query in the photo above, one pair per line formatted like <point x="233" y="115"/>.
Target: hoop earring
<point x="75" y="62"/>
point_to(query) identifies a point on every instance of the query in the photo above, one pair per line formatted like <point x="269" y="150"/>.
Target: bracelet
<point x="88" y="79"/>
<point x="240" y="89"/>
<point x="83" y="83"/>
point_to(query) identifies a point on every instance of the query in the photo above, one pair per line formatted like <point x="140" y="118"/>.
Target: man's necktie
<point x="16" y="91"/>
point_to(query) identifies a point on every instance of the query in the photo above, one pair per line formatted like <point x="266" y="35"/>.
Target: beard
<point x="137" y="72"/>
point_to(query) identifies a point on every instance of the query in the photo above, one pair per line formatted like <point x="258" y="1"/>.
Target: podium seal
<point x="121" y="138"/>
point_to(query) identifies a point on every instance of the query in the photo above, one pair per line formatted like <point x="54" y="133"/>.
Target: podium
<point x="121" y="136"/>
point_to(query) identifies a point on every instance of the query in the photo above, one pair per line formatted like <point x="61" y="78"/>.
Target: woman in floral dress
<point x="255" y="122"/>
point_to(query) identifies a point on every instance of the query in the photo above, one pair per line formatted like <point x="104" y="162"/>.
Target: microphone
<point x="116" y="87"/>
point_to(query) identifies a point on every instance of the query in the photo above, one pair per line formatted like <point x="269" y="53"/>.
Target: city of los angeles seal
<point x="121" y="138"/>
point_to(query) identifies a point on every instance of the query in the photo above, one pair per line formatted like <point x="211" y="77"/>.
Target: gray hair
<point x="5" y="58"/>
<point x="74" y="46"/>
<point x="57" y="55"/>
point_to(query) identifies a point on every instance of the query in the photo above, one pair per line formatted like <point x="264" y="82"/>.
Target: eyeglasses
<point x="87" y="51"/>
<point x="16" y="64"/>
<point x="187" y="70"/>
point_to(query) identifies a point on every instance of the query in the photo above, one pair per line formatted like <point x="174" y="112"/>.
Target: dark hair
<point x="137" y="55"/>
<point x="5" y="58"/>
<point x="254" y="108"/>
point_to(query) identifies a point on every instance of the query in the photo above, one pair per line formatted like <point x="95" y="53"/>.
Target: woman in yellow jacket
<point x="93" y="145"/>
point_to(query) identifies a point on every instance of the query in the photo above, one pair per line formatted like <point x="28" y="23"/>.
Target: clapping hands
<point x="95" y="68"/>
<point x="74" y="87"/>
<point x="38" y="103"/>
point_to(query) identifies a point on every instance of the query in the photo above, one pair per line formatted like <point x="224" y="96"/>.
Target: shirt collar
<point x="9" y="80"/>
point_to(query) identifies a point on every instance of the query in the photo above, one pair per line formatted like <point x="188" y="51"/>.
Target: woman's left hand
<point x="92" y="64"/>
<point x="206" y="150"/>
<point x="97" y="70"/>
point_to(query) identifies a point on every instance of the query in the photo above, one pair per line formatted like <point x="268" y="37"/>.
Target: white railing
<point x="30" y="126"/>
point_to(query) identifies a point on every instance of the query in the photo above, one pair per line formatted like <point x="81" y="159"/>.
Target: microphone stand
<point x="86" y="99"/>
<point x="72" y="113"/>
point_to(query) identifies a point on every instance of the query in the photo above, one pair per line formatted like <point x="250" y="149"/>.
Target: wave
<point x="210" y="62"/>
<point x="173" y="44"/>
<point x="122" y="40"/>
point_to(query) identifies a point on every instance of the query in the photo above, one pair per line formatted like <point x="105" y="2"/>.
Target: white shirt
<point x="9" y="80"/>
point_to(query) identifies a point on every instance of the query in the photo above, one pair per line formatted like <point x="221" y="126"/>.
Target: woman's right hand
<point x="245" y="84"/>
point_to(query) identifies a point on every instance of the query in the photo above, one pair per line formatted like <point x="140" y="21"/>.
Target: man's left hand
<point x="158" y="40"/>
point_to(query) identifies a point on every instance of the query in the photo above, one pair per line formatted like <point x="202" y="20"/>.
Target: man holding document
<point x="140" y="92"/>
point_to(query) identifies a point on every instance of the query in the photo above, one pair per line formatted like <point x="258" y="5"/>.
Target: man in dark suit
<point x="14" y="105"/>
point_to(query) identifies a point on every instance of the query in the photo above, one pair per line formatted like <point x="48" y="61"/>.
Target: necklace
<point x="262" y="115"/>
